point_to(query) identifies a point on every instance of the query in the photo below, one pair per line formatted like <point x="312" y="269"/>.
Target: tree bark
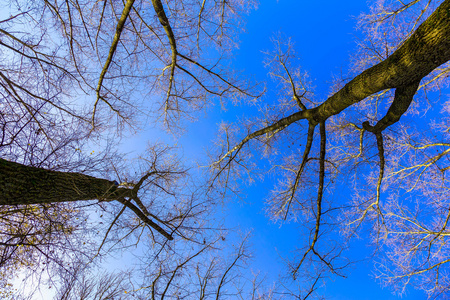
<point x="24" y="185"/>
<point x="421" y="53"/>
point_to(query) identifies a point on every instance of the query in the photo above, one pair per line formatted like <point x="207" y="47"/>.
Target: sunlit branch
<point x="112" y="50"/>
<point x="294" y="89"/>
<point x="428" y="146"/>
<point x="402" y="100"/>
<point x="159" y="9"/>
<point x="422" y="270"/>
<point x="279" y="125"/>
<point x="386" y="15"/>
<point x="380" y="146"/>
<point x="210" y="71"/>
<point x="376" y="204"/>
<point x="442" y="74"/>
<point x="418" y="18"/>
<point x="423" y="165"/>
<point x="420" y="229"/>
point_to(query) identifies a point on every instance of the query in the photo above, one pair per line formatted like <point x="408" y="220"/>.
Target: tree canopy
<point x="79" y="73"/>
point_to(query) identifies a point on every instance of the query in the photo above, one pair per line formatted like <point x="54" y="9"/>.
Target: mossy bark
<point x="421" y="53"/>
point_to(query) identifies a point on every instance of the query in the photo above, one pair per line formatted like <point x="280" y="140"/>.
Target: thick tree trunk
<point x="424" y="51"/>
<point x="420" y="54"/>
<point x="24" y="185"/>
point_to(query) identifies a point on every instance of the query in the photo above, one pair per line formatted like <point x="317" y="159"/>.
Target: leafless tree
<point x="74" y="71"/>
<point x="78" y="73"/>
<point x="398" y="171"/>
<point x="187" y="274"/>
<point x="79" y="284"/>
<point x="202" y="272"/>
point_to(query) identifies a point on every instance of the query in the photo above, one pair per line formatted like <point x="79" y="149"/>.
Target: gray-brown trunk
<point x="24" y="185"/>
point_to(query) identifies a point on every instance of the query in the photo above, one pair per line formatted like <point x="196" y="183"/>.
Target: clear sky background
<point x="324" y="33"/>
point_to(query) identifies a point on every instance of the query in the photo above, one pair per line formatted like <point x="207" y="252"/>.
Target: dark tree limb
<point x="424" y="51"/>
<point x="112" y="50"/>
<point x="309" y="141"/>
<point x="323" y="142"/>
<point x="162" y="17"/>
<point x="144" y="218"/>
<point x="25" y="185"/>
<point x="402" y="100"/>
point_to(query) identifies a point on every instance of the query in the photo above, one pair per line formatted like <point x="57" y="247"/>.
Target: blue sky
<point x="324" y="36"/>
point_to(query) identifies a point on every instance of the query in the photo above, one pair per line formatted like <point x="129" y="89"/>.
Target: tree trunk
<point x="24" y="185"/>
<point x="421" y="53"/>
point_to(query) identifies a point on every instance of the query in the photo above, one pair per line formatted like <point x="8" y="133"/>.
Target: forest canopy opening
<point x="78" y="73"/>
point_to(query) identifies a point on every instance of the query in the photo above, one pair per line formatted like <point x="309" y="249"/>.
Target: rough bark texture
<point x="424" y="51"/>
<point x="23" y="185"/>
<point x="420" y="54"/>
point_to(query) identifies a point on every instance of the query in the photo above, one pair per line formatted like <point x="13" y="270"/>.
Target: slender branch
<point x="199" y="23"/>
<point x="112" y="50"/>
<point x="13" y="85"/>
<point x="294" y="89"/>
<point x="210" y="71"/>
<point x="313" y="288"/>
<point x="309" y="141"/>
<point x="145" y="219"/>
<point x="423" y="270"/>
<point x="240" y="253"/>
<point x="319" y="198"/>
<point x="279" y="125"/>
<point x="109" y="229"/>
<point x="200" y="83"/>
<point x="179" y="267"/>
<point x="159" y="9"/>
<point x="380" y="146"/>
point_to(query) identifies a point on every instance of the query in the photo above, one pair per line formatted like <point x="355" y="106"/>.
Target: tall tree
<point x="79" y="74"/>
<point x="74" y="71"/>
<point x="399" y="171"/>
